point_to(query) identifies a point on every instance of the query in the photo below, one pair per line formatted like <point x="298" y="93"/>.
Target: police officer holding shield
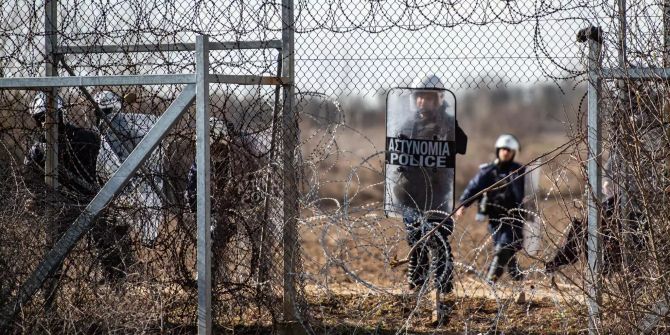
<point x="501" y="204"/>
<point x="424" y="194"/>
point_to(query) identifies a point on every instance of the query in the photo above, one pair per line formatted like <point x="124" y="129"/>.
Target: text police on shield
<point x="423" y="153"/>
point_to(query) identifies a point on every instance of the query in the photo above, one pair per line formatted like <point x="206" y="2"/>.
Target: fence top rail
<point x="248" y="80"/>
<point x="43" y="82"/>
<point x="158" y="79"/>
<point x="232" y="45"/>
<point x="634" y="73"/>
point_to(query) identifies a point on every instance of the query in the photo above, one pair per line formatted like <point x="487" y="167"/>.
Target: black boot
<point x="500" y="259"/>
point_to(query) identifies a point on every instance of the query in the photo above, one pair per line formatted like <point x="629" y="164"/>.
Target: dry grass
<point x="347" y="252"/>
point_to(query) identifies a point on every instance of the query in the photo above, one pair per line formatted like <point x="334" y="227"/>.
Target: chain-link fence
<point x="515" y="67"/>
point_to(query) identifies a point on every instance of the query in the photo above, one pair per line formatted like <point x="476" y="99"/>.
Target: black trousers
<point x="432" y="255"/>
<point x="507" y="233"/>
<point x="110" y="238"/>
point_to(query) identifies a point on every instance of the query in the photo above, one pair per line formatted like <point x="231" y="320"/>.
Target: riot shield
<point x="144" y="191"/>
<point x="420" y="152"/>
<point x="533" y="229"/>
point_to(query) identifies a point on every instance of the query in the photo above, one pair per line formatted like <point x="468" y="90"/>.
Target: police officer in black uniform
<point x="425" y="194"/>
<point x="501" y="204"/>
<point x="78" y="149"/>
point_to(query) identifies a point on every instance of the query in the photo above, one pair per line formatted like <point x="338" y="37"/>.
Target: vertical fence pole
<point x="51" y="136"/>
<point x="666" y="33"/>
<point x="51" y="70"/>
<point x="666" y="61"/>
<point x="204" y="255"/>
<point x="594" y="244"/>
<point x="623" y="31"/>
<point x="290" y="140"/>
<point x="616" y="155"/>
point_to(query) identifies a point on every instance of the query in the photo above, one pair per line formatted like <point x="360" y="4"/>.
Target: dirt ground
<point x="396" y="314"/>
<point x="353" y="288"/>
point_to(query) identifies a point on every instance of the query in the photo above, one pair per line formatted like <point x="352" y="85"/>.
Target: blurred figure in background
<point x="242" y="197"/>
<point x="501" y="204"/>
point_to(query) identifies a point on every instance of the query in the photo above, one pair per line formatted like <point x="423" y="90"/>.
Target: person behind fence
<point x="78" y="149"/>
<point x="223" y="228"/>
<point x="425" y="194"/>
<point x="237" y="161"/>
<point x="501" y="203"/>
<point x="620" y="229"/>
<point x="141" y="204"/>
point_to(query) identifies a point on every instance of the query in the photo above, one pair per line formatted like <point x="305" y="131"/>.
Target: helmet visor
<point x="427" y="99"/>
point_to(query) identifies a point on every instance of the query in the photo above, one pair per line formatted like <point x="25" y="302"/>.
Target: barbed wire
<point x="515" y="67"/>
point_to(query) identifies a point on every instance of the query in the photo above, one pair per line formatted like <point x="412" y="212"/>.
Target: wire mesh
<point x="515" y="67"/>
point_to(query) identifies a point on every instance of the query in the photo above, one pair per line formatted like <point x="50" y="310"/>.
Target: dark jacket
<point x="508" y="195"/>
<point x="428" y="188"/>
<point x="77" y="153"/>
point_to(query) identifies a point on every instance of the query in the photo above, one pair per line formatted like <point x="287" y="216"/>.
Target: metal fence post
<point x="666" y="33"/>
<point x="204" y="255"/>
<point x="623" y="33"/>
<point x="51" y="70"/>
<point x="51" y="124"/>
<point x="290" y="140"/>
<point x="594" y="244"/>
